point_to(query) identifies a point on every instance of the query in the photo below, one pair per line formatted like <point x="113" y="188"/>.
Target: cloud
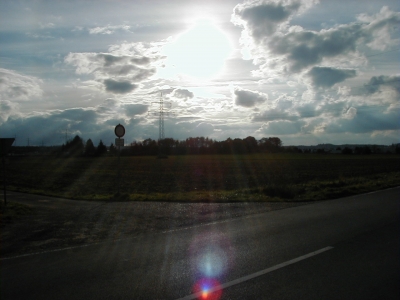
<point x="7" y="109"/>
<point x="122" y="69"/>
<point x="327" y="77"/>
<point x="376" y="82"/>
<point x="248" y="98"/>
<point x="379" y="28"/>
<point x="272" y="114"/>
<point x="182" y="94"/>
<point x="262" y="18"/>
<point x="109" y="29"/>
<point x="350" y="113"/>
<point x="281" y="127"/>
<point x="119" y="87"/>
<point x="74" y="115"/>
<point x="276" y="46"/>
<point x="202" y="129"/>
<point x="17" y="87"/>
<point x="135" y="109"/>
<point x="366" y="119"/>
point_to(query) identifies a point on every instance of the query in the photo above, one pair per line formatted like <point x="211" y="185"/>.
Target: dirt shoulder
<point x="57" y="223"/>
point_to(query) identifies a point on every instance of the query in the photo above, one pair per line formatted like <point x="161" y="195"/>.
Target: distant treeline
<point x="198" y="145"/>
<point x="169" y="146"/>
<point x="201" y="145"/>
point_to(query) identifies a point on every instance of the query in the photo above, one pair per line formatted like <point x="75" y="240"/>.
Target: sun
<point x="199" y="52"/>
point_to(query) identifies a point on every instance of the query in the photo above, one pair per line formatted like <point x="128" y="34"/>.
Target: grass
<point x="208" y="178"/>
<point x="13" y="211"/>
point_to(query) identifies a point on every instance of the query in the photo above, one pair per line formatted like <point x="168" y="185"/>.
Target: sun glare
<point x="199" y="52"/>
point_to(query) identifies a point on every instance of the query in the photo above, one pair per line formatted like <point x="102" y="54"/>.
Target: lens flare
<point x="208" y="289"/>
<point x="212" y="262"/>
<point x="211" y="254"/>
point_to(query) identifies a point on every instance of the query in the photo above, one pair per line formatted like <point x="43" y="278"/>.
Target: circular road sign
<point x="119" y="130"/>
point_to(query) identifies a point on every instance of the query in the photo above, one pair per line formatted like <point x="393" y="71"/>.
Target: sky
<point x="308" y="72"/>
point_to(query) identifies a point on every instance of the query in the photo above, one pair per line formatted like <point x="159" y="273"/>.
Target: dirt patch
<point x="57" y="223"/>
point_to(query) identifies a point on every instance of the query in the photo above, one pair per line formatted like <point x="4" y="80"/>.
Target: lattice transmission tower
<point x="161" y="112"/>
<point x="161" y="134"/>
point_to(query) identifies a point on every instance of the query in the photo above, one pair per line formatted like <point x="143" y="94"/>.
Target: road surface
<point x="339" y="249"/>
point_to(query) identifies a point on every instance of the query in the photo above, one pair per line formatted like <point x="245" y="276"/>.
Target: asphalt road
<point x="339" y="249"/>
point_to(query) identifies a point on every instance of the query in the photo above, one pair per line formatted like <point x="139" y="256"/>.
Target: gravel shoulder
<point x="58" y="223"/>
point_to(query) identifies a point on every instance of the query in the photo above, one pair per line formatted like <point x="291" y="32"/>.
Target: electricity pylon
<point x="161" y="133"/>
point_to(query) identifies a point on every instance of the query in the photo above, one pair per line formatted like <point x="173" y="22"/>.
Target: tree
<point x="113" y="150"/>
<point x="251" y="144"/>
<point x="101" y="149"/>
<point x="74" y="147"/>
<point x="90" y="149"/>
<point x="347" y="150"/>
<point x="271" y="144"/>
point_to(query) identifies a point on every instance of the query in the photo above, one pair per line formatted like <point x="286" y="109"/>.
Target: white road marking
<point x="257" y="274"/>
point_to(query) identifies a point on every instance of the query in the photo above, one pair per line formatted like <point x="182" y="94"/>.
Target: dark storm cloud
<point x="327" y="77"/>
<point x="376" y="82"/>
<point x="119" y="87"/>
<point x="247" y="98"/>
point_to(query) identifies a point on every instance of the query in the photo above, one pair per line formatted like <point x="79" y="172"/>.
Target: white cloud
<point x="7" y="109"/>
<point x="350" y="113"/>
<point x="17" y="87"/>
<point x="109" y="29"/>
<point x="122" y="69"/>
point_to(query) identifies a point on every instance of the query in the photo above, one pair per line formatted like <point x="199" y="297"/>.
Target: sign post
<point x="5" y="146"/>
<point x="119" y="132"/>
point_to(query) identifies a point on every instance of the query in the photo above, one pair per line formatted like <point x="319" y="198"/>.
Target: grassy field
<point x="219" y="178"/>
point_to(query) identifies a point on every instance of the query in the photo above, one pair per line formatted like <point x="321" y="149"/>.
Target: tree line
<point x="77" y="147"/>
<point x="170" y="146"/>
<point x="204" y="145"/>
<point x="198" y="145"/>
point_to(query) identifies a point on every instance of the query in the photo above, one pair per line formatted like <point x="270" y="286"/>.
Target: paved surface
<point x="363" y="263"/>
<point x="58" y="223"/>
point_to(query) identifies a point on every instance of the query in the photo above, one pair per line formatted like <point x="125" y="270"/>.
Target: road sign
<point x="119" y="142"/>
<point x="119" y="130"/>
